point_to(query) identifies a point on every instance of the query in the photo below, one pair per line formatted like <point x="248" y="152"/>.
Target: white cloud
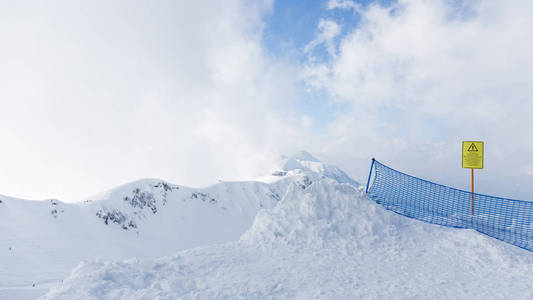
<point x="344" y="4"/>
<point x="423" y="75"/>
<point x="328" y="31"/>
<point x="98" y="93"/>
<point x="93" y="94"/>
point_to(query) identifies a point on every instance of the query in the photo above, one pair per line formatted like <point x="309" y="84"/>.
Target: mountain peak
<point x="304" y="156"/>
<point x="304" y="161"/>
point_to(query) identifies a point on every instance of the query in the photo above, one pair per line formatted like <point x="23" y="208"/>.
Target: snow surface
<point x="42" y="241"/>
<point x="323" y="240"/>
<point x="307" y="232"/>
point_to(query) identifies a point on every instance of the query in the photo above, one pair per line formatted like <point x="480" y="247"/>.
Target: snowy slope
<point x="323" y="240"/>
<point x="41" y="241"/>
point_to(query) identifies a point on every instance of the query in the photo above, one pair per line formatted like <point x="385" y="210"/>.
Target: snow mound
<point x="322" y="212"/>
<point x="323" y="240"/>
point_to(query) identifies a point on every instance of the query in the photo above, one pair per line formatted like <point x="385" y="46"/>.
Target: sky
<point x="94" y="94"/>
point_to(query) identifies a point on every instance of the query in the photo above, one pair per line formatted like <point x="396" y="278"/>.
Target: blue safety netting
<point x="505" y="219"/>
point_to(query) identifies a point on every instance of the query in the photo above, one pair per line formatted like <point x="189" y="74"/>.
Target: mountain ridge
<point x="322" y="240"/>
<point x="147" y="218"/>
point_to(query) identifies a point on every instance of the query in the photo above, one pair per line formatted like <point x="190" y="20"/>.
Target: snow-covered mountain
<point x="324" y="241"/>
<point x="303" y="161"/>
<point x="306" y="231"/>
<point x="41" y="241"/>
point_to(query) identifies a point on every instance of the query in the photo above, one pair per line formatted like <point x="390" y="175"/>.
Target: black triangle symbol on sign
<point x="472" y="148"/>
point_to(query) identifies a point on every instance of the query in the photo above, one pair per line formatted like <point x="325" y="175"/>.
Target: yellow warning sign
<point x="473" y="155"/>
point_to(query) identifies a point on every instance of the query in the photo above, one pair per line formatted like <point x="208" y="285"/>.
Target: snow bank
<point x="323" y="240"/>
